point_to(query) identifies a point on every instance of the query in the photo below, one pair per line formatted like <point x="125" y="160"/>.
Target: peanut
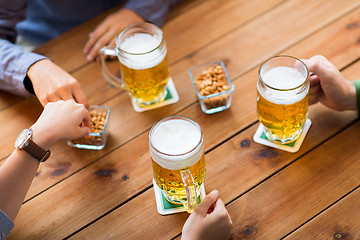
<point x="96" y="126"/>
<point x="211" y="81"/>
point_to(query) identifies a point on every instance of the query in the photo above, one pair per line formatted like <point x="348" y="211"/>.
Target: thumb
<point x="207" y="202"/>
<point x="221" y="209"/>
<point x="84" y="131"/>
<point x="320" y="66"/>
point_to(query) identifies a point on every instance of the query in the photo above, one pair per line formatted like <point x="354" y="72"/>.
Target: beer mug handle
<point x="110" y="77"/>
<point x="189" y="185"/>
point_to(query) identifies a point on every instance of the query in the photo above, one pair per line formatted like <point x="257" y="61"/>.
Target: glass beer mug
<point x="282" y="99"/>
<point x="177" y="151"/>
<point x="144" y="68"/>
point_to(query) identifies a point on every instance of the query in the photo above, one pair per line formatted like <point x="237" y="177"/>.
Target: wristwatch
<point x="24" y="142"/>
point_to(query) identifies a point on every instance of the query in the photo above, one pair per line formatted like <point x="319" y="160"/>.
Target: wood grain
<point x="242" y="165"/>
<point x="291" y="197"/>
<point x="340" y="221"/>
<point x="109" y="193"/>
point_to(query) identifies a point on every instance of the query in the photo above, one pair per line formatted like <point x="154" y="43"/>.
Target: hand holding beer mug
<point x="282" y="102"/>
<point x="177" y="151"/>
<point x="142" y="53"/>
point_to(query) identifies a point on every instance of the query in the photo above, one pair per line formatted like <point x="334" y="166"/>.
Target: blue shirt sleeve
<point x="154" y="11"/>
<point x="14" y="61"/>
<point x="5" y="225"/>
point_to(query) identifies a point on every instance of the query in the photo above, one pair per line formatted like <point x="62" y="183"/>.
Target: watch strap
<point x="36" y="151"/>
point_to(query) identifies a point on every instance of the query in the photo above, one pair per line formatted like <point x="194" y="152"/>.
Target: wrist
<point x="350" y="97"/>
<point x="130" y="14"/>
<point x="42" y="137"/>
<point x="36" y="68"/>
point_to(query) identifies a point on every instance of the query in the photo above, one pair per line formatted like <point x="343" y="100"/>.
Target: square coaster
<point x="171" y="97"/>
<point x="164" y="207"/>
<point x="261" y="138"/>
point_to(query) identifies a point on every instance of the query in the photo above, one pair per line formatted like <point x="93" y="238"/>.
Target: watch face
<point x="20" y="140"/>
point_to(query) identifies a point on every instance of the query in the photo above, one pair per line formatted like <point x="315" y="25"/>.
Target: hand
<point x="105" y="34"/>
<point x="51" y="83"/>
<point x="328" y="86"/>
<point x="62" y="120"/>
<point x="207" y="223"/>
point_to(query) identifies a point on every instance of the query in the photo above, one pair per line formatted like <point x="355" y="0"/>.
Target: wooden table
<point x="270" y="194"/>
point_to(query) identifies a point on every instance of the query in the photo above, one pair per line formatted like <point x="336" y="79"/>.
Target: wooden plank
<point x="8" y="99"/>
<point x="154" y="116"/>
<point x="214" y="19"/>
<point x="300" y="191"/>
<point x="238" y="155"/>
<point x="65" y="161"/>
<point x="66" y="50"/>
<point x="340" y="221"/>
<point x="341" y="37"/>
<point x="117" y="176"/>
<point x="177" y="31"/>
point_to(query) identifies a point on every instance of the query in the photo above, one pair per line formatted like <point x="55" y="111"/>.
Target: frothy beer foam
<point x="176" y="138"/>
<point x="141" y="43"/>
<point x="283" y="78"/>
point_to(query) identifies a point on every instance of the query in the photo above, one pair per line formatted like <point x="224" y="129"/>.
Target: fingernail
<point x="88" y="57"/>
<point x="215" y="192"/>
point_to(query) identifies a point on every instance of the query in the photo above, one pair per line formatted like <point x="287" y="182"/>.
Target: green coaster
<point x="261" y="138"/>
<point x="165" y="207"/>
<point x="171" y="97"/>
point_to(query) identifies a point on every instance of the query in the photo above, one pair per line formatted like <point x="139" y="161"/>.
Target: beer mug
<point x="177" y="151"/>
<point x="144" y="68"/>
<point x="282" y="98"/>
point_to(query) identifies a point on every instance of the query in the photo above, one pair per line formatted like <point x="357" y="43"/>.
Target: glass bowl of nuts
<point x="213" y="86"/>
<point x="96" y="140"/>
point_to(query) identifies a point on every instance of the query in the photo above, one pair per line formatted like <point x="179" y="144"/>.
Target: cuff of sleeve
<point x="357" y="87"/>
<point x="19" y="74"/>
<point x="5" y="225"/>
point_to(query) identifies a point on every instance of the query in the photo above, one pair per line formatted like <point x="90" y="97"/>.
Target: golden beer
<point x="282" y="102"/>
<point x="177" y="152"/>
<point x="170" y="181"/>
<point x="144" y="68"/>
<point x="147" y="86"/>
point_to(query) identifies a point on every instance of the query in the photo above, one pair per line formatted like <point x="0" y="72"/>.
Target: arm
<point x="135" y="11"/>
<point x="328" y="86"/>
<point x="210" y="220"/>
<point x="17" y="173"/>
<point x="49" y="82"/>
<point x="14" y="61"/>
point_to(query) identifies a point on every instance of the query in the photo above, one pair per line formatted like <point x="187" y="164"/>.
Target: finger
<point x="91" y="41"/>
<point x="220" y="209"/>
<point x="320" y="66"/>
<point x="53" y="97"/>
<point x="314" y="80"/>
<point x="101" y="42"/>
<point x="79" y="95"/>
<point x="86" y="122"/>
<point x="95" y="35"/>
<point x="314" y="93"/>
<point x="65" y="93"/>
<point x="206" y="203"/>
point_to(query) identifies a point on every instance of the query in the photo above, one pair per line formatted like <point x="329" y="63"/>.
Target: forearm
<point x="16" y="175"/>
<point x="14" y="64"/>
